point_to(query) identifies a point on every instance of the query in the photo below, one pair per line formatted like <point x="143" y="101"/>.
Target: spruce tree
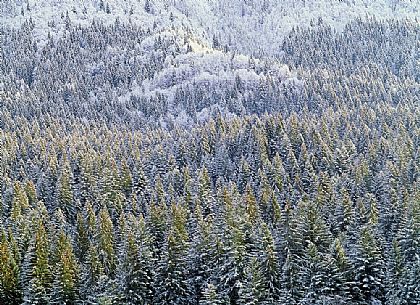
<point x="106" y="242"/>
<point x="10" y="291"/>
<point x="369" y="268"/>
<point x="173" y="286"/>
<point x="36" y="269"/>
<point x="66" y="273"/>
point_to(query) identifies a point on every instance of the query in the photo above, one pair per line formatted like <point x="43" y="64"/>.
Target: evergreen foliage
<point x="293" y="191"/>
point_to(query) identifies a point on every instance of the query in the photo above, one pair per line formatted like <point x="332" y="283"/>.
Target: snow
<point x="247" y="27"/>
<point x="250" y="27"/>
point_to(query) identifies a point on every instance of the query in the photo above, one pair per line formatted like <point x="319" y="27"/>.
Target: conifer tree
<point x="269" y="269"/>
<point x="173" y="286"/>
<point x="82" y="237"/>
<point x="36" y="269"/>
<point x="126" y="179"/>
<point x="368" y="268"/>
<point x="10" y="292"/>
<point x="204" y="254"/>
<point x="106" y="242"/>
<point x="231" y="271"/>
<point x="65" y="193"/>
<point x="205" y="193"/>
<point x="66" y="273"/>
<point x="148" y="6"/>
<point x="20" y="201"/>
<point x="136" y="270"/>
<point x="210" y="296"/>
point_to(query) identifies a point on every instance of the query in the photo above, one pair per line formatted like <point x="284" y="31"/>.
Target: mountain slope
<point x="247" y="26"/>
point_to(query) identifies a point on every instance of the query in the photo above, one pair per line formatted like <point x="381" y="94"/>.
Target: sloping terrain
<point x="192" y="153"/>
<point x="169" y="48"/>
<point x="247" y="26"/>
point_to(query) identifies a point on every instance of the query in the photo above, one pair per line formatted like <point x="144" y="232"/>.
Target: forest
<point x="298" y="187"/>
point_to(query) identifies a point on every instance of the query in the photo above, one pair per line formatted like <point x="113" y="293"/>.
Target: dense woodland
<point x="292" y="191"/>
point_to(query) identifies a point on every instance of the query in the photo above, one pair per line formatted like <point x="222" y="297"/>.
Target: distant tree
<point x="148" y="6"/>
<point x="216" y="43"/>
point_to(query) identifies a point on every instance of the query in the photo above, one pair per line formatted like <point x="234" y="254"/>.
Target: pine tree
<point x="10" y="292"/>
<point x="231" y="270"/>
<point x="289" y="243"/>
<point x="173" y="286"/>
<point x="82" y="237"/>
<point x="36" y="269"/>
<point x="30" y="191"/>
<point x="407" y="262"/>
<point x="158" y="226"/>
<point x="205" y="193"/>
<point x="394" y="274"/>
<point x="250" y="289"/>
<point x="210" y="296"/>
<point x="204" y="254"/>
<point x="65" y="193"/>
<point x="106" y="242"/>
<point x="251" y="208"/>
<point x="312" y="226"/>
<point x="368" y="268"/>
<point x="322" y="278"/>
<point x="269" y="268"/>
<point x="136" y="270"/>
<point x="126" y="179"/>
<point x="20" y="201"/>
<point x="148" y="6"/>
<point x="91" y="273"/>
<point x="279" y="174"/>
<point x="307" y="170"/>
<point x="66" y="273"/>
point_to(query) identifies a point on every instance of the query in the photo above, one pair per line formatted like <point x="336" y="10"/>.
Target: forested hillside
<point x="143" y="164"/>
<point x="254" y="27"/>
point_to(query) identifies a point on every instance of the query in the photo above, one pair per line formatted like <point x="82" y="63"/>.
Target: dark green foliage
<point x="303" y="192"/>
